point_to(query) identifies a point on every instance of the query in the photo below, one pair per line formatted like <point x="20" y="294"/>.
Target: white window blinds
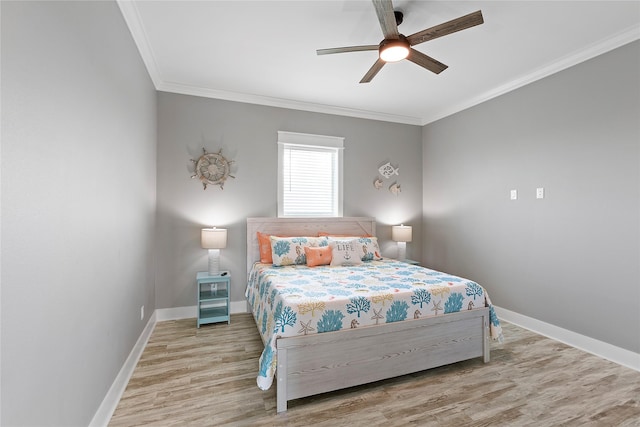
<point x="309" y="175"/>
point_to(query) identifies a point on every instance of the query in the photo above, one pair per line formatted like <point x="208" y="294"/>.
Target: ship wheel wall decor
<point x="212" y="169"/>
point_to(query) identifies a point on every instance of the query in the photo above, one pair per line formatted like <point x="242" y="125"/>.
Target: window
<point x="309" y="175"/>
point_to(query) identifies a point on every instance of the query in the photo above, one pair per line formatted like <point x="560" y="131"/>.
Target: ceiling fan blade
<point x="347" y="49"/>
<point x="377" y="66"/>
<point x="384" y="10"/>
<point x="462" y="23"/>
<point x="426" y="61"/>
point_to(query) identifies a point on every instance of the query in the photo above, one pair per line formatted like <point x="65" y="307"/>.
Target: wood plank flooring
<point x="206" y="377"/>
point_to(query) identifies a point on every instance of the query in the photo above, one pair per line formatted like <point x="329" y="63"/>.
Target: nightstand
<point x="213" y="297"/>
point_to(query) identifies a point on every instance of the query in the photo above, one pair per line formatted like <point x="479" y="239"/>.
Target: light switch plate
<point x="514" y="194"/>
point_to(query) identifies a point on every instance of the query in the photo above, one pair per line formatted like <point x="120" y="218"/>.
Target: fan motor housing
<point x="399" y="16"/>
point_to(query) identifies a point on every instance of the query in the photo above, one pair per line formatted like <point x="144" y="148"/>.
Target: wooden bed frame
<point x="313" y="364"/>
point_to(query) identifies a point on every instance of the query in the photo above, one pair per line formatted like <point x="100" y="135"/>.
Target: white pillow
<point x="369" y="248"/>
<point x="345" y="252"/>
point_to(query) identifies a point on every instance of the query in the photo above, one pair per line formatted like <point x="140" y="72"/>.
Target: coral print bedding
<point x="301" y="300"/>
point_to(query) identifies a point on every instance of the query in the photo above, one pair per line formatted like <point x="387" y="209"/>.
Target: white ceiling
<point x="264" y="52"/>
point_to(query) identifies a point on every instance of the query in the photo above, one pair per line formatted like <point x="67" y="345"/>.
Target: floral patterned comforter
<point x="301" y="300"/>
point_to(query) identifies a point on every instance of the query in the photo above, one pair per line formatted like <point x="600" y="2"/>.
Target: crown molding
<point x="132" y="18"/>
<point x="623" y="37"/>
<point x="284" y="103"/>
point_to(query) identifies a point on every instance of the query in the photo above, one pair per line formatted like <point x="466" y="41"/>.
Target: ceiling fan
<point x="396" y="46"/>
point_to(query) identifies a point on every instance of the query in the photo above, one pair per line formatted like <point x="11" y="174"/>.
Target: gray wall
<point x="78" y="207"/>
<point x="84" y="237"/>
<point x="247" y="135"/>
<point x="571" y="259"/>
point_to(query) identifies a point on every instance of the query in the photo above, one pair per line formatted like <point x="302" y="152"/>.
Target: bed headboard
<point x="303" y="227"/>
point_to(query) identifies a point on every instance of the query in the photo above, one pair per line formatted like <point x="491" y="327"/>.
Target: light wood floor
<point x="206" y="377"/>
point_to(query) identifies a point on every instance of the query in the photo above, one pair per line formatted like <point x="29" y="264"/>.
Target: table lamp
<point x="214" y="239"/>
<point x="401" y="234"/>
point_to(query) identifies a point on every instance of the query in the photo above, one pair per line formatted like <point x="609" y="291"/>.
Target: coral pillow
<point x="264" y="243"/>
<point x="318" y="256"/>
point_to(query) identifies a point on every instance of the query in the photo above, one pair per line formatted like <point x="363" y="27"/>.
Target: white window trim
<point x="309" y="140"/>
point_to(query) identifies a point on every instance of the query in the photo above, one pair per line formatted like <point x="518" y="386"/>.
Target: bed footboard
<point x="313" y="364"/>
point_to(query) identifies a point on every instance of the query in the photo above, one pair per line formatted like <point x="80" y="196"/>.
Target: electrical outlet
<point x="142" y="312"/>
<point x="514" y="194"/>
<point x="540" y="193"/>
<point x="214" y="287"/>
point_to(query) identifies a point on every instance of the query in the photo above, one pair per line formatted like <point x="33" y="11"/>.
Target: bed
<point x="331" y="327"/>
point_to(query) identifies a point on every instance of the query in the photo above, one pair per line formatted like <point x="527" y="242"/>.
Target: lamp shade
<point x="214" y="238"/>
<point x="401" y="233"/>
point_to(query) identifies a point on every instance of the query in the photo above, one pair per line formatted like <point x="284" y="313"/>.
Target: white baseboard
<point x="602" y="349"/>
<point x="189" y="312"/>
<point x="110" y="402"/>
<point x="238" y="307"/>
<point x="175" y="313"/>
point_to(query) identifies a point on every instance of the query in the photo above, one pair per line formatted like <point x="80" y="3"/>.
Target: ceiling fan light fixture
<point x="394" y="50"/>
<point x="396" y="47"/>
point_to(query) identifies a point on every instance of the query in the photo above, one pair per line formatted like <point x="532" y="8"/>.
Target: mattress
<point x="301" y="300"/>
